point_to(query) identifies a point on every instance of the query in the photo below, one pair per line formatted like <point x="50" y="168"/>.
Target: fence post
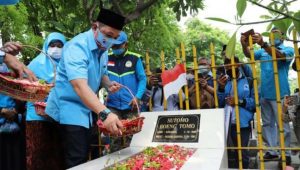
<point x="187" y="105"/>
<point x="148" y="73"/>
<point x="163" y="68"/>
<point x="296" y="56"/>
<point x="257" y="107"/>
<point x="237" y="113"/>
<point x="196" y="78"/>
<point x="180" y="91"/>
<point x="213" y="65"/>
<point x="279" y="108"/>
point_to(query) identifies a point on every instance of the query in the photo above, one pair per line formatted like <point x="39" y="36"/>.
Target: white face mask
<point x="54" y="52"/>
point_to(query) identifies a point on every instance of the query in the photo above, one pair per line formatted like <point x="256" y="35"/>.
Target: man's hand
<point x="230" y="101"/>
<point x="222" y="81"/>
<point x="244" y="41"/>
<point x="113" y="124"/>
<point x="19" y="68"/>
<point x="153" y="80"/>
<point x="114" y="87"/>
<point x="133" y="103"/>
<point x="203" y="83"/>
<point x="8" y="114"/>
<point x="257" y="38"/>
<point x="12" y="48"/>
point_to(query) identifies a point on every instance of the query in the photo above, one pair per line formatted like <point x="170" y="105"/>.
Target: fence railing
<point x="182" y="59"/>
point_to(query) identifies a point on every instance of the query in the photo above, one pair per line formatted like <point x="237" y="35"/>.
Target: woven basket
<point x="130" y="127"/>
<point x="23" y="89"/>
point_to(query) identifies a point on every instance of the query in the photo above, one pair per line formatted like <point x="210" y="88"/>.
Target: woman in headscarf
<point x="42" y="138"/>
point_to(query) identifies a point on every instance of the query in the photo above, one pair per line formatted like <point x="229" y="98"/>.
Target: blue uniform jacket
<point x="129" y="71"/>
<point x="246" y="113"/>
<point x="42" y="67"/>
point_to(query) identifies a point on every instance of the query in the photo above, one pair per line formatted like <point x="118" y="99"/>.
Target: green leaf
<point x="230" y="50"/>
<point x="265" y="34"/>
<point x="241" y="6"/>
<point x="283" y="25"/>
<point x="297" y="23"/>
<point x="218" y="19"/>
<point x="269" y="27"/>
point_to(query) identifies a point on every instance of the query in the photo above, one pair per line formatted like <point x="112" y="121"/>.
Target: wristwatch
<point x="2" y="55"/>
<point x="104" y="113"/>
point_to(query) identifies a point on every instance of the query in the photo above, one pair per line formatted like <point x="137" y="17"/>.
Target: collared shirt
<point x="81" y="59"/>
<point x="268" y="90"/>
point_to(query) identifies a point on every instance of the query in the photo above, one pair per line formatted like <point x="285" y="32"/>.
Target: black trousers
<point x="75" y="140"/>
<point x="233" y="154"/>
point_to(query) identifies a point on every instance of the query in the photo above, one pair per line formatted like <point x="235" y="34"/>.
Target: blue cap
<point x="122" y="38"/>
<point x="8" y="2"/>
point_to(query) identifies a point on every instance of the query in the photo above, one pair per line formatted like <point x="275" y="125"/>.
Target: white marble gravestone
<point x="210" y="142"/>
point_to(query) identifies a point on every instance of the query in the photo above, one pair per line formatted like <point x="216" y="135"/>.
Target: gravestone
<point x="200" y="129"/>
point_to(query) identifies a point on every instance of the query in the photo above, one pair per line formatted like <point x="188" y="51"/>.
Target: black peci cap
<point x="111" y="19"/>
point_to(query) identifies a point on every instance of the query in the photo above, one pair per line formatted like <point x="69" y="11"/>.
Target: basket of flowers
<point x="130" y="126"/>
<point x="162" y="157"/>
<point x="23" y="89"/>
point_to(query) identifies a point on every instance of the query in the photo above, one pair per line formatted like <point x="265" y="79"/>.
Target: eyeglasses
<point x="56" y="44"/>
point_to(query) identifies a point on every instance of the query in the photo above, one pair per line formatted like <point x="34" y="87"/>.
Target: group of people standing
<point x="60" y="139"/>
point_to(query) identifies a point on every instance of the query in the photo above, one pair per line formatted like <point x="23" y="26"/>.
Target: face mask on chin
<point x="54" y="52"/>
<point x="102" y="40"/>
<point x="118" y="51"/>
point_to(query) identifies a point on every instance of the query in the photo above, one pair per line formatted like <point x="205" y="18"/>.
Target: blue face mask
<point x="277" y="42"/>
<point x="118" y="51"/>
<point x="103" y="40"/>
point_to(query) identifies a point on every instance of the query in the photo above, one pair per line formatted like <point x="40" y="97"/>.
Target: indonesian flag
<point x="173" y="80"/>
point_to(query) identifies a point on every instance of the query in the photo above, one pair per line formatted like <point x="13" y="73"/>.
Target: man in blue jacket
<point x="246" y="106"/>
<point x="125" y="67"/>
<point x="268" y="93"/>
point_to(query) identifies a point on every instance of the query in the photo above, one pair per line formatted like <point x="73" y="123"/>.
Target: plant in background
<point x="278" y="14"/>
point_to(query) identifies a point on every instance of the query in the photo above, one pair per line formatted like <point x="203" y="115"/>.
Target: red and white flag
<point x="173" y="80"/>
